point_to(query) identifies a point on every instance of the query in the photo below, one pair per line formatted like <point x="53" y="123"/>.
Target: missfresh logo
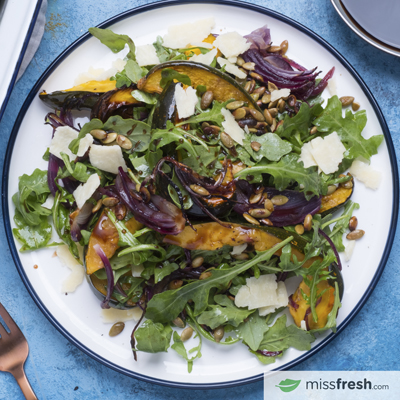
<point x="288" y="385"/>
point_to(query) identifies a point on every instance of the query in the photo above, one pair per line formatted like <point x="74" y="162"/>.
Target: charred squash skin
<point x="83" y="96"/>
<point x="222" y="85"/>
<point x="333" y="202"/>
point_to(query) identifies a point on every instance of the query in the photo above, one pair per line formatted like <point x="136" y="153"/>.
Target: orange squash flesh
<point x="223" y="87"/>
<point x="123" y="96"/>
<point x="323" y="308"/>
<point x="339" y="196"/>
<point x="106" y="235"/>
<point x="94" y="86"/>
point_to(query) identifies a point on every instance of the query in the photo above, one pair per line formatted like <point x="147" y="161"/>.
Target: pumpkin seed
<point x="204" y="125"/>
<point x="346" y="101"/>
<point x="205" y="275"/>
<point x="273" y="126"/>
<point x="355" y="106"/>
<point x="274" y="49"/>
<point x="256" y="76"/>
<point x="259" y="213"/>
<point x="281" y="105"/>
<point x="269" y="205"/>
<point x="257" y="115"/>
<point x="292" y="100"/>
<point x="234" y="105"/>
<point x="348" y="184"/>
<point x="308" y="222"/>
<point x="267" y="222"/>
<point x="241" y="257"/>
<point x="230" y="297"/>
<point x="250" y="219"/>
<point x="252" y="86"/>
<point x="255" y="96"/>
<point x="110" y="201"/>
<point x="268" y="117"/>
<point x="313" y="130"/>
<point x="240" y="61"/>
<point x="197" y="262"/>
<point x="284" y="47"/>
<point x="279" y="200"/>
<point x="199" y="190"/>
<point x="176" y="284"/>
<point x="260" y="90"/>
<point x="253" y="130"/>
<point x="116" y="329"/>
<point x="186" y="334"/>
<point x="299" y="229"/>
<point x="272" y="104"/>
<point x="97" y="206"/>
<point x="218" y="333"/>
<point x="211" y="130"/>
<point x="178" y="322"/>
<point x="98" y="134"/>
<point x="120" y="211"/>
<point x="266" y="98"/>
<point x="249" y="66"/>
<point x="110" y="138"/>
<point x="240" y="113"/>
<point x="255" y="198"/>
<point x="272" y="87"/>
<point x="227" y="140"/>
<point x="331" y="189"/>
<point x="206" y="99"/>
<point x="124" y="142"/>
<point x="255" y="146"/>
<point x="273" y="112"/>
<point x="353" y="223"/>
<point x="355" y="235"/>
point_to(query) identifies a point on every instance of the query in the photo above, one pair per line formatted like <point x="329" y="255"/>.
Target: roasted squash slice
<point x="222" y="85"/>
<point x="336" y="200"/>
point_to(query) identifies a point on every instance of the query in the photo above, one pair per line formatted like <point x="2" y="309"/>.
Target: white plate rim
<point x="138" y="10"/>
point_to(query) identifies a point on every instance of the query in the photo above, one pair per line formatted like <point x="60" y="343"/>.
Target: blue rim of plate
<point x="162" y="4"/>
<point x="20" y="58"/>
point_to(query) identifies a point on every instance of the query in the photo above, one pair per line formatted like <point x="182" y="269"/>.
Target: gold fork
<point x="14" y="351"/>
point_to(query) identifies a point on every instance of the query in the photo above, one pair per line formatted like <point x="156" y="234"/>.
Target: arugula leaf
<point x="168" y="75"/>
<point x="166" y="306"/>
<point x="179" y="347"/>
<point x="32" y="237"/>
<point x="166" y="269"/>
<point x="273" y="148"/>
<point x="187" y="200"/>
<point x="145" y="97"/>
<point x="153" y="337"/>
<point x="224" y="312"/>
<point x="279" y="337"/>
<point x="113" y="41"/>
<point x="300" y="123"/>
<point x="265" y="359"/>
<point x="253" y="330"/>
<point x="162" y="53"/>
<point x="78" y="170"/>
<point x="213" y="115"/>
<point x="349" y="129"/>
<point x="286" y="171"/>
<point x="141" y="165"/>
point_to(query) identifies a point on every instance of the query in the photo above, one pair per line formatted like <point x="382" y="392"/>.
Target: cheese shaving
<point x="365" y="174"/>
<point x="85" y="191"/>
<point x="231" y="44"/>
<point x="206" y="59"/>
<point x="231" y="127"/>
<point x="146" y="55"/>
<point x="107" y="158"/>
<point x="231" y="68"/>
<point x="84" y="145"/>
<point x="63" y="136"/>
<point x="186" y="101"/>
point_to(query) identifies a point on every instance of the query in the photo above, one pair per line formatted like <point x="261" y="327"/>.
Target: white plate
<point x="77" y="315"/>
<point x="16" y="26"/>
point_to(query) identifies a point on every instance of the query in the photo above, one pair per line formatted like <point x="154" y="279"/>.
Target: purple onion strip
<point x="328" y="239"/>
<point x="109" y="273"/>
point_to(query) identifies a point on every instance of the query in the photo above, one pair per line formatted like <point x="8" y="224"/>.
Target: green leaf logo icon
<point x="288" y="385"/>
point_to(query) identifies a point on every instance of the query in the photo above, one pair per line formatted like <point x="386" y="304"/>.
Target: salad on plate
<point x="210" y="173"/>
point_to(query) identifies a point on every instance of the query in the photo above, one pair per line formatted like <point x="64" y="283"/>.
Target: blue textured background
<point x="58" y="370"/>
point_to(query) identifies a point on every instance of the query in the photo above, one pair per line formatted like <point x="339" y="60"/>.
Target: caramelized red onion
<point x="109" y="273"/>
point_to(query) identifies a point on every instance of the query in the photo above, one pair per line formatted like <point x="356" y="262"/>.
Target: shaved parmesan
<point x="84" y="145"/>
<point x="49" y="202"/>
<point x="263" y="293"/>
<point x="231" y="68"/>
<point x="63" y="136"/>
<point x="119" y="64"/>
<point x="239" y="249"/>
<point x="332" y="86"/>
<point x="278" y="94"/>
<point x="77" y="274"/>
<point x="365" y="174"/>
<point x="112" y="315"/>
<point x="186" y="101"/>
<point x="232" y="60"/>
<point x="325" y="152"/>
<point x="231" y="127"/>
<point x="180" y="36"/>
<point x="207" y="58"/>
<point x="107" y="158"/>
<point x="231" y="44"/>
<point x="85" y="191"/>
<point x="348" y="251"/>
<point x="303" y="325"/>
<point x="146" y="55"/>
<point x="202" y="44"/>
